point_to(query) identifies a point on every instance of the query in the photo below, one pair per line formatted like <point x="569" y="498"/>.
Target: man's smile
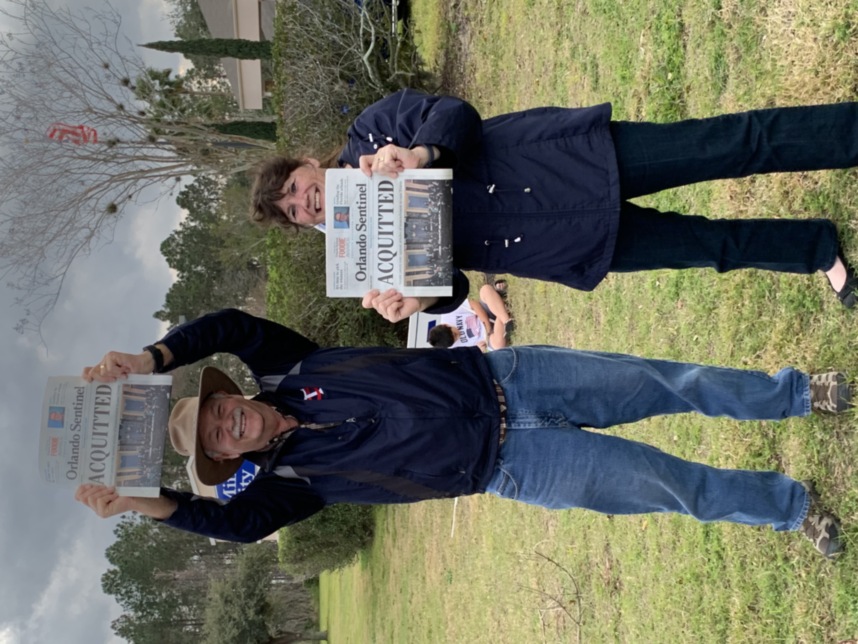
<point x="239" y="423"/>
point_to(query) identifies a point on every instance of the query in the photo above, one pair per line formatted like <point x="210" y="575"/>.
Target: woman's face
<point x="303" y="201"/>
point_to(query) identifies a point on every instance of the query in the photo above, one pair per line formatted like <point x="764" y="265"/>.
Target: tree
<point x="190" y="96"/>
<point x="159" y="576"/>
<point x="266" y="130"/>
<point x="188" y="20"/>
<point x="243" y="606"/>
<point x="153" y="609"/>
<point x="237" y="608"/>
<point x="188" y="23"/>
<point x="218" y="47"/>
<point x="217" y="256"/>
<point x="74" y="76"/>
<point x="220" y="262"/>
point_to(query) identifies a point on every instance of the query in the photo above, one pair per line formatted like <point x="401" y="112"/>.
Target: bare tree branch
<point x="336" y="57"/>
<point x="63" y="199"/>
<point x="560" y="599"/>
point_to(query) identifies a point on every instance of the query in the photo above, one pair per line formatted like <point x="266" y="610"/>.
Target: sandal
<point x="848" y="295"/>
<point x="509" y="327"/>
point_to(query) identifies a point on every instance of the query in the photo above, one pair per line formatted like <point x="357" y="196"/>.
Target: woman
<point x="543" y="193"/>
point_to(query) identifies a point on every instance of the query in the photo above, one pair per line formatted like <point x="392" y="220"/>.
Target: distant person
<point x="384" y="425"/>
<point x="483" y="324"/>
<point x="544" y="193"/>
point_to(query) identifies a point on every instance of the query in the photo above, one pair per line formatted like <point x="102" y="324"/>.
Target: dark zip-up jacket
<point x="405" y="425"/>
<point x="535" y="193"/>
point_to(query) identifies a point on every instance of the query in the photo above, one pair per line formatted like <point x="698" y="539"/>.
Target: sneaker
<point x="829" y="392"/>
<point x="821" y="528"/>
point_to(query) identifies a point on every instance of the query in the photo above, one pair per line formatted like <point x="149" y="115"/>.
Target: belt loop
<point x="502" y="404"/>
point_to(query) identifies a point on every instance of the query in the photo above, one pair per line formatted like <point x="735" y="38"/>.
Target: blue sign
<point x="237" y="482"/>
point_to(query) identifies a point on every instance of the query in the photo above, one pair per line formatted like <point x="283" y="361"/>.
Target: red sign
<point x="76" y="134"/>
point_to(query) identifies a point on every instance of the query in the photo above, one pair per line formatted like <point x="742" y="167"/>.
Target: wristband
<point x="157" y="356"/>
<point x="431" y="153"/>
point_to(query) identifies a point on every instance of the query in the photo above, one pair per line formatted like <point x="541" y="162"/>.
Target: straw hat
<point x="184" y="426"/>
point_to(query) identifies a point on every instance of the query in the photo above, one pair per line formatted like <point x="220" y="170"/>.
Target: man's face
<point x="232" y="425"/>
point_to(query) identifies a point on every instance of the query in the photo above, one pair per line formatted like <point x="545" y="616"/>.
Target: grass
<point x="644" y="578"/>
<point x="429" y="31"/>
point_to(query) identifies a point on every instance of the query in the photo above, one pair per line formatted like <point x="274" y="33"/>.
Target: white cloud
<point x="150" y="228"/>
<point x="70" y="582"/>
<point x="71" y="593"/>
<point x="8" y="635"/>
<point x="51" y="548"/>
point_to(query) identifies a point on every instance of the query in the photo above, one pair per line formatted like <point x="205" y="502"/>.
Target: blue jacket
<point x="409" y="425"/>
<point x="535" y="193"/>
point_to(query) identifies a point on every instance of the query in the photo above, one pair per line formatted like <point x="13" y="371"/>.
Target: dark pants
<point x="653" y="157"/>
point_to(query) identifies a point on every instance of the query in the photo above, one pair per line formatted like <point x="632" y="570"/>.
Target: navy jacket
<point x="535" y="193"/>
<point x="408" y="425"/>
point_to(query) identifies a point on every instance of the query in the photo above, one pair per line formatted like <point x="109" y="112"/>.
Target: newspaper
<point x="106" y="433"/>
<point x="389" y="233"/>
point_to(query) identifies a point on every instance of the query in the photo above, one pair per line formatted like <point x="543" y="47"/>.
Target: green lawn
<point x="515" y="574"/>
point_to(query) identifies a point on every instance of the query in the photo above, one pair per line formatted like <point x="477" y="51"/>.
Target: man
<point x="382" y="425"/>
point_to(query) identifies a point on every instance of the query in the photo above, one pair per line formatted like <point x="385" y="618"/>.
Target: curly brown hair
<point x="268" y="179"/>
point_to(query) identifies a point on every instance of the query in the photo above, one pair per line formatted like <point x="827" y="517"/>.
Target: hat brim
<point x="210" y="471"/>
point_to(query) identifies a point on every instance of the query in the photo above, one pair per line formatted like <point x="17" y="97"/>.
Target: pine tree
<point x="220" y="47"/>
<point x="265" y="130"/>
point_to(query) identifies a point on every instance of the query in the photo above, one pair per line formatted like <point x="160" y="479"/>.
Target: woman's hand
<point x="392" y="306"/>
<point x="390" y="160"/>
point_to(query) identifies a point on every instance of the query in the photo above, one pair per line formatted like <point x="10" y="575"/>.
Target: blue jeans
<point x="657" y="156"/>
<point x="549" y="460"/>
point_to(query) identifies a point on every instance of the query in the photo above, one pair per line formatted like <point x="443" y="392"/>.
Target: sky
<point x="52" y="548"/>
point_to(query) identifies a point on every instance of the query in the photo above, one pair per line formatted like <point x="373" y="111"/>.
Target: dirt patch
<point x="455" y="74"/>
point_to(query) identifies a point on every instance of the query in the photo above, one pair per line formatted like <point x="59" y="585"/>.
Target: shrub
<point x="327" y="540"/>
<point x="296" y="297"/>
<point x="334" y="58"/>
<point x="264" y="130"/>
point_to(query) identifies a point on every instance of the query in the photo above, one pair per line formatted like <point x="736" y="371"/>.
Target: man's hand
<point x="392" y="306"/>
<point x="116" y="365"/>
<point x="392" y="159"/>
<point x="105" y="502"/>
